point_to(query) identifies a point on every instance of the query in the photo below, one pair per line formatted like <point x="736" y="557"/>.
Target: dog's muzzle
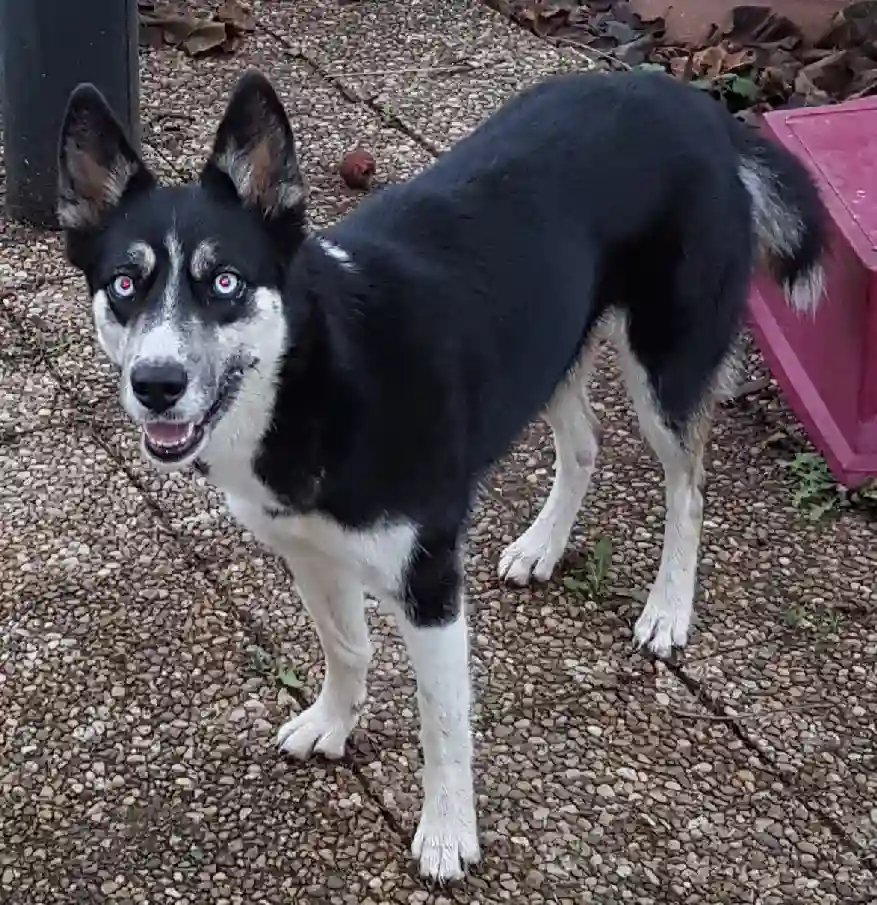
<point x="171" y="441"/>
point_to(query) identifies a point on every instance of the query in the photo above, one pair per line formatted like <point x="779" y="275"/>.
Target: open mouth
<point x="175" y="442"/>
<point x="172" y="441"/>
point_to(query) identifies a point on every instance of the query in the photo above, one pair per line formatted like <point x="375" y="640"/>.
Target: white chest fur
<point x="375" y="557"/>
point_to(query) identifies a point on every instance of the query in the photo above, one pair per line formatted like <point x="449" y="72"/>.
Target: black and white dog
<point x="347" y="390"/>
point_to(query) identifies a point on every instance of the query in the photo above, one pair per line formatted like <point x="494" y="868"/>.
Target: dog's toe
<point x="527" y="558"/>
<point x="661" y="627"/>
<point x="445" y="843"/>
<point x="315" y="729"/>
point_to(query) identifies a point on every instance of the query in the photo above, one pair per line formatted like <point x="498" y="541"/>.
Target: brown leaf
<point x="160" y="13"/>
<point x="810" y="94"/>
<point x="831" y="75"/>
<point x="151" y="36"/>
<point x="864" y="85"/>
<point x="205" y="37"/>
<point x="235" y="15"/>
<point x="709" y="62"/>
<point x="232" y="43"/>
<point x="760" y="25"/>
<point x="176" y="31"/>
<point x="852" y="27"/>
<point x="717" y="60"/>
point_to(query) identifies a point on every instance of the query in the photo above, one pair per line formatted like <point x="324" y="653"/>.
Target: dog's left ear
<point x="254" y="152"/>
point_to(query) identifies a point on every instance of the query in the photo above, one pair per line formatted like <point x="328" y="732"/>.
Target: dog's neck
<point x="294" y="420"/>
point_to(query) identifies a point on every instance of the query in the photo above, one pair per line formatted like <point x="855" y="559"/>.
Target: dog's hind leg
<point x="336" y="603"/>
<point x="666" y="618"/>
<point x="576" y="442"/>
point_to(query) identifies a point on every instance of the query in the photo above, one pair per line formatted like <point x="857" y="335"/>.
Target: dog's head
<point x="185" y="280"/>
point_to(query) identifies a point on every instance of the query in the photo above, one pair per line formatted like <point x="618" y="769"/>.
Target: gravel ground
<point x="143" y="633"/>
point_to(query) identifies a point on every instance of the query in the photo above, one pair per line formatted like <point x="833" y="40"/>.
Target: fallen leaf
<point x="852" y="27"/>
<point x="178" y="31"/>
<point x="197" y="31"/>
<point x="205" y="37"/>
<point x="235" y="15"/>
<point x="288" y="678"/>
<point x="231" y="43"/>
<point x="758" y="55"/>
<point x="760" y="25"/>
<point x="151" y="36"/>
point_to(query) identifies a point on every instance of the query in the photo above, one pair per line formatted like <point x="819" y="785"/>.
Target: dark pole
<point x="47" y="48"/>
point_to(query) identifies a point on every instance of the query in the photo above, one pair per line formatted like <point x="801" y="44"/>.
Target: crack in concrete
<point x="717" y="707"/>
<point x="349" y="94"/>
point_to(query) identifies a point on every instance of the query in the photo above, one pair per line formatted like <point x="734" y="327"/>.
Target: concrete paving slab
<point x="30" y="398"/>
<point x="185" y="99"/>
<point x="438" y="67"/>
<point x="137" y="764"/>
<point x="600" y="778"/>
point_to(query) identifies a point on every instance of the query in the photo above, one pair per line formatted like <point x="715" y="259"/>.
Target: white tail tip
<point x="805" y="293"/>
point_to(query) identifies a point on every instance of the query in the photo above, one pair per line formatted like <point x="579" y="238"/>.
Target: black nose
<point x="158" y="385"/>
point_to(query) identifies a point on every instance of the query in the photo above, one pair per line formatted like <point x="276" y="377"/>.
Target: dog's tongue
<point x="168" y="433"/>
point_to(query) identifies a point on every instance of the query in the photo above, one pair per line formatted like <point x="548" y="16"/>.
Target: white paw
<point x="662" y="625"/>
<point x="532" y="555"/>
<point x="446" y="839"/>
<point x="320" y="728"/>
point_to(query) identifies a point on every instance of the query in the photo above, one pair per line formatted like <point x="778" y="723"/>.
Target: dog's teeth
<point x="169" y="435"/>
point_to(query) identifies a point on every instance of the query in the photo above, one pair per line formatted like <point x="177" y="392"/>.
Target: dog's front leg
<point x="336" y="603"/>
<point x="434" y="628"/>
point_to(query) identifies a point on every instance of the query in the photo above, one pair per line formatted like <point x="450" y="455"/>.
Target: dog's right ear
<point x="253" y="158"/>
<point x="96" y="164"/>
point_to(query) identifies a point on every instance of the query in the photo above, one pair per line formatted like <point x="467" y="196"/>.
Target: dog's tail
<point x="788" y="216"/>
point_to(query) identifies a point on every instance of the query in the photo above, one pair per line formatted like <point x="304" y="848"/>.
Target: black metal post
<point x="47" y="47"/>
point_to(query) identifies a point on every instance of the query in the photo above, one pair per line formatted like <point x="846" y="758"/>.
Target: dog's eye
<point x="122" y="286"/>
<point x="227" y="285"/>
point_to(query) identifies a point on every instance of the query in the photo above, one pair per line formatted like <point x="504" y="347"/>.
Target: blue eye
<point x="227" y="285"/>
<point x="122" y="286"/>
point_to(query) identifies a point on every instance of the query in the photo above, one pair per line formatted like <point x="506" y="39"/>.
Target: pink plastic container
<point x="827" y="365"/>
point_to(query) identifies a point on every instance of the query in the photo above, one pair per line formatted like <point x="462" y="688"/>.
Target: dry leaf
<point x="235" y="15"/>
<point x="205" y="37"/>
<point x="177" y="31"/>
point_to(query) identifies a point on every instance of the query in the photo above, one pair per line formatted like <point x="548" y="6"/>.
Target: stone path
<point x="141" y="633"/>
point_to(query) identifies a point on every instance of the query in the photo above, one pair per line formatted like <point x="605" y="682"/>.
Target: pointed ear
<point x="254" y="152"/>
<point x="96" y="164"/>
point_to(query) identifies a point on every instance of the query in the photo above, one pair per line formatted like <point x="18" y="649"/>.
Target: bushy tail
<point x="788" y="216"/>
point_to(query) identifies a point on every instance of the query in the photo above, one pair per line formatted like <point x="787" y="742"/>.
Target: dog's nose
<point x="158" y="385"/>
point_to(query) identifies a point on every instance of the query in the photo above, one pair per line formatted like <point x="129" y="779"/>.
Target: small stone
<point x="534" y="879"/>
<point x="605" y="791"/>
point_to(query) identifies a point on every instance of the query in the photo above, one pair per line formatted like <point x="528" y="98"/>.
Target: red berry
<point x="357" y="169"/>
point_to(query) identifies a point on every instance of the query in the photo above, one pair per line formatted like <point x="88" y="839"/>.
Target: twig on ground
<point x="748" y="389"/>
<point x="752" y="714"/>
<point x="415" y="70"/>
<point x="585" y="51"/>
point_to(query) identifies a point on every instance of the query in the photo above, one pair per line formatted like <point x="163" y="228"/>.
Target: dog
<point x="348" y="389"/>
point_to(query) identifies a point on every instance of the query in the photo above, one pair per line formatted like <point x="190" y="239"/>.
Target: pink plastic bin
<point x="827" y="364"/>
